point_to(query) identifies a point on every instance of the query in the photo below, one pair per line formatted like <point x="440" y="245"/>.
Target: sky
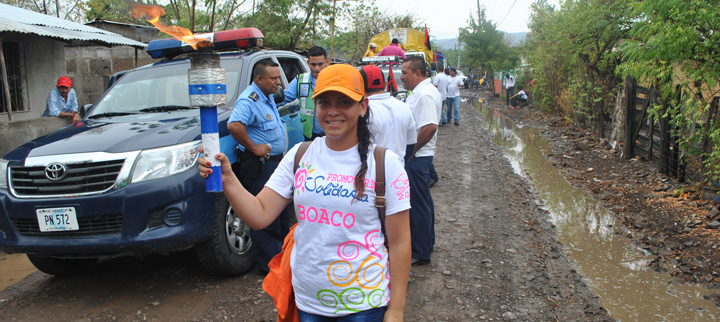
<point x="444" y="17"/>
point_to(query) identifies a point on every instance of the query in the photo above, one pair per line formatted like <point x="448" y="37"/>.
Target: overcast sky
<point x="444" y="17"/>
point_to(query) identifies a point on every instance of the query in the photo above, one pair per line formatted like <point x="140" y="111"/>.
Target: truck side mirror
<point x="84" y="109"/>
<point x="279" y="95"/>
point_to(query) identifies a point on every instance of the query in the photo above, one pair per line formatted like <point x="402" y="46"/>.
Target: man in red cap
<point x="62" y="101"/>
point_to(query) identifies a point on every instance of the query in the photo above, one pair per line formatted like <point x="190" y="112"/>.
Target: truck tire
<point x="229" y="250"/>
<point x="61" y="266"/>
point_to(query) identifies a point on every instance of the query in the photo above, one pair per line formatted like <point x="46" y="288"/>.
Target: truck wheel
<point x="229" y="249"/>
<point x="61" y="266"/>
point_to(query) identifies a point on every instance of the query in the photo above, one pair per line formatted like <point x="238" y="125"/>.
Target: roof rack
<point x="382" y="59"/>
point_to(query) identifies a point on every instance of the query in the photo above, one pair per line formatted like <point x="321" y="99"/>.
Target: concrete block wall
<point x="90" y="67"/>
<point x="17" y="133"/>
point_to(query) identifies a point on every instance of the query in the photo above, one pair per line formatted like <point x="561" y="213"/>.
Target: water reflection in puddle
<point x="616" y="270"/>
<point x="14" y="268"/>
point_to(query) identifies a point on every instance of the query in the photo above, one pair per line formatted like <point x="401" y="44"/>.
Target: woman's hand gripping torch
<point x="207" y="90"/>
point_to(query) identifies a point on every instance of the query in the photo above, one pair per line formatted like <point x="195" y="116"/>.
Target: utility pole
<point x="478" y="4"/>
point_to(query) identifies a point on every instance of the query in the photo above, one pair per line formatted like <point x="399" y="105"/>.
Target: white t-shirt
<point x="522" y="94"/>
<point x="426" y="105"/>
<point x="509" y="82"/>
<point x="453" y="87"/>
<point x="339" y="262"/>
<point x="441" y="82"/>
<point x="391" y="123"/>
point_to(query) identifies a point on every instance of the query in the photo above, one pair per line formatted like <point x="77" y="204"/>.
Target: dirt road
<point x="496" y="259"/>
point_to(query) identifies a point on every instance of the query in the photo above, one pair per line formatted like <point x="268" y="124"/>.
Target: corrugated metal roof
<point x="14" y="19"/>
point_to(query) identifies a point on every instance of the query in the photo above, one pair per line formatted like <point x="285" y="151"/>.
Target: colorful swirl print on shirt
<point x="303" y="171"/>
<point x="359" y="286"/>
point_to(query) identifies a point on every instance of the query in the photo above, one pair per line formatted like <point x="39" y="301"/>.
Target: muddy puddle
<point x="613" y="266"/>
<point x="14" y="268"/>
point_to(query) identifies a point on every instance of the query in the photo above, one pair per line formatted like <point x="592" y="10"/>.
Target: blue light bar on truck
<point x="222" y="40"/>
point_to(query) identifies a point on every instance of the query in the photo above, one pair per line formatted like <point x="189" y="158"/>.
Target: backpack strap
<point x="300" y="152"/>
<point x="380" y="186"/>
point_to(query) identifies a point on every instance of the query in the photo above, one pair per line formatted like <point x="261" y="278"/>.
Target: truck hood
<point x="117" y="134"/>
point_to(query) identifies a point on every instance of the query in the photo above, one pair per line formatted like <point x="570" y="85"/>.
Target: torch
<point x="207" y="89"/>
<point x="206" y="83"/>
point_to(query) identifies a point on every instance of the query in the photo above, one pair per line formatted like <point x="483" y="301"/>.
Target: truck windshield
<point x="157" y="89"/>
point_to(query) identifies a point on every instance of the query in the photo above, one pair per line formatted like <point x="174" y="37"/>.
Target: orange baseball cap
<point x="64" y="82"/>
<point x="341" y="78"/>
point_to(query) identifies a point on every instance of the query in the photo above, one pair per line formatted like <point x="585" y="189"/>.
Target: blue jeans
<point x="422" y="208"/>
<point x="432" y="173"/>
<point x="443" y="118"/>
<point x="453" y="102"/>
<point x="372" y="315"/>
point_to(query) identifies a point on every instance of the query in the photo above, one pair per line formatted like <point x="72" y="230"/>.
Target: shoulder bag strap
<point x="380" y="187"/>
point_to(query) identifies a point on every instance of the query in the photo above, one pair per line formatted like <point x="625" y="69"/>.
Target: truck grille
<point x="85" y="177"/>
<point x="89" y="227"/>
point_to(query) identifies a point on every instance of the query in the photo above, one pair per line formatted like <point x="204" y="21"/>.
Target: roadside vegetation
<point x="580" y="52"/>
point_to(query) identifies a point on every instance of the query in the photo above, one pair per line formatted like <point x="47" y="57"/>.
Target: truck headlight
<point x="3" y="173"/>
<point x="166" y="161"/>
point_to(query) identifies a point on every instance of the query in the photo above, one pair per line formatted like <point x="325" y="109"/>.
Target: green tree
<point x="675" y="45"/>
<point x="573" y="52"/>
<point x="113" y="10"/>
<point x="289" y="24"/>
<point x="484" y="46"/>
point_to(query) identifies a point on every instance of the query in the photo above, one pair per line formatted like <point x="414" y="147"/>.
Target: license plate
<point x="57" y="219"/>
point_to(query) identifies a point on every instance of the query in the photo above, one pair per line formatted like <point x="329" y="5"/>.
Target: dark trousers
<point x="509" y="92"/>
<point x="432" y="174"/>
<point x="266" y="242"/>
<point x="422" y="208"/>
<point x="517" y="99"/>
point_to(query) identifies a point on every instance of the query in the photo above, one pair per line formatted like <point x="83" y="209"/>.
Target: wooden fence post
<point x="707" y="148"/>
<point x="629" y="117"/>
<point x="665" y="150"/>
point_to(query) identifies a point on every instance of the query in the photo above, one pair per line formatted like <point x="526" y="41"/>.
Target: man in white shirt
<point x="521" y="97"/>
<point x="441" y="81"/>
<point x="391" y="122"/>
<point x="426" y="106"/>
<point x="453" y="96"/>
<point x="509" y="88"/>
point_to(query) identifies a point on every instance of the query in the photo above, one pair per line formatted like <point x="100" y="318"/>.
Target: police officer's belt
<point x="247" y="155"/>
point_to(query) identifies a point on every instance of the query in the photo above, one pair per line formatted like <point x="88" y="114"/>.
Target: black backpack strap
<point x="380" y="187"/>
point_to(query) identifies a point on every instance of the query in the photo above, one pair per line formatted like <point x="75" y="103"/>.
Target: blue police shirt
<point x="291" y="95"/>
<point x="260" y="117"/>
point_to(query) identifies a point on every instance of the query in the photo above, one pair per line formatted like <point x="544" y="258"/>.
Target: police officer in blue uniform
<point x="261" y="135"/>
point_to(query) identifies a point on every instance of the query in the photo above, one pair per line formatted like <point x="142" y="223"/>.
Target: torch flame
<point x="152" y="14"/>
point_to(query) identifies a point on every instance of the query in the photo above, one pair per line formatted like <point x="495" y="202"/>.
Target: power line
<point x="503" y="19"/>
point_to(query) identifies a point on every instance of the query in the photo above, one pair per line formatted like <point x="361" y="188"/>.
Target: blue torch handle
<point x="211" y="146"/>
